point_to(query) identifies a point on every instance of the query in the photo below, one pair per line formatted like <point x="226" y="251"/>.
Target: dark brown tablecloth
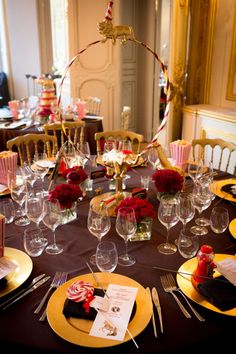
<point x="21" y="331"/>
<point x="90" y="129"/>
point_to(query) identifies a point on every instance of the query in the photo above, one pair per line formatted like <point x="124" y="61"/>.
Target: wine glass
<point x="34" y="211"/>
<point x="167" y="215"/>
<point x="126" y="226"/>
<point x="188" y="244"/>
<point x="106" y="256"/>
<point x="201" y="200"/>
<point x="40" y="166"/>
<point x="99" y="224"/>
<point x="185" y="209"/>
<point x="17" y="187"/>
<point x="52" y="218"/>
<point x="33" y="242"/>
<point x="195" y="169"/>
<point x="153" y="156"/>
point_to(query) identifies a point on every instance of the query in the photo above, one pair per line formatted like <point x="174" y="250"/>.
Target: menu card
<point x="112" y="324"/>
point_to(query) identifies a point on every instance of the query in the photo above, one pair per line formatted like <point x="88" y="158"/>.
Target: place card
<point x="113" y="323"/>
<point x="6" y="266"/>
<point x="227" y="267"/>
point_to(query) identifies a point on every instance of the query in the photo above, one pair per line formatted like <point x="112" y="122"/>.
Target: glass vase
<point x="69" y="214"/>
<point x="144" y="231"/>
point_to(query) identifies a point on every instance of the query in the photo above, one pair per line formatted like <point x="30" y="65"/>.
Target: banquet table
<point x="91" y="127"/>
<point x="21" y="331"/>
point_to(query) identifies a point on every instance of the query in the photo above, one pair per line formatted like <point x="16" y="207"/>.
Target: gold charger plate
<point x="75" y="330"/>
<point x="184" y="282"/>
<point x="22" y="271"/>
<point x="217" y="185"/>
<point x="232" y="228"/>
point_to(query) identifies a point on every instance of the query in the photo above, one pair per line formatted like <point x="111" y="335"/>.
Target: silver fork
<point x="61" y="281"/>
<point x="169" y="289"/>
<point x="174" y="286"/>
<point x="54" y="284"/>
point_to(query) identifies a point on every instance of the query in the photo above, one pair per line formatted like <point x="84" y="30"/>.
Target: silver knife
<point x="34" y="281"/>
<point x="153" y="316"/>
<point x="34" y="287"/>
<point x="156" y="301"/>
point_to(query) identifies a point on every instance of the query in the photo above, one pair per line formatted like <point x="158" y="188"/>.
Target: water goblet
<point x="106" y="256"/>
<point x="188" y="244"/>
<point x="219" y="219"/>
<point x="98" y="224"/>
<point x="33" y="242"/>
<point x="126" y="226"/>
<point x="52" y="218"/>
<point x="167" y="215"/>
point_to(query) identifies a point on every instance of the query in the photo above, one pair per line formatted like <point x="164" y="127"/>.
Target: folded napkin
<point x="76" y="309"/>
<point x="228" y="189"/>
<point x="222" y="294"/>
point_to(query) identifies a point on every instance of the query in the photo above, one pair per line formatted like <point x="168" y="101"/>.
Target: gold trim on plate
<point x="76" y="330"/>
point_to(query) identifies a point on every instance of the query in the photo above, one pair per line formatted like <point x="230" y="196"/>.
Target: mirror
<point x="231" y="85"/>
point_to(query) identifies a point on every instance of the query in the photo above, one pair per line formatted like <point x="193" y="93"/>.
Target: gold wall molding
<point x="231" y="90"/>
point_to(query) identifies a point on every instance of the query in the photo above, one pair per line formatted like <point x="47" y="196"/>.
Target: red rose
<point x="75" y="175"/>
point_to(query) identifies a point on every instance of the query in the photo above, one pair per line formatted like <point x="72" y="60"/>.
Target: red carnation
<point x="66" y="194"/>
<point x="168" y="181"/>
<point x="142" y="207"/>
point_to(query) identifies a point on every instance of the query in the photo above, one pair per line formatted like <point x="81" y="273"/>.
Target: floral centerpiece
<point x="144" y="213"/>
<point x="67" y="196"/>
<point x="167" y="182"/>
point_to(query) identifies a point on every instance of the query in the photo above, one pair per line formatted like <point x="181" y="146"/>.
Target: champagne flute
<point x="167" y="215"/>
<point x="99" y="224"/>
<point x="126" y="226"/>
<point x="52" y="217"/>
<point x="106" y="256"/>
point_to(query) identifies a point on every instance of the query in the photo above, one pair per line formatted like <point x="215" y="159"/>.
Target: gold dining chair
<point x="92" y="105"/>
<point x="216" y="151"/>
<point x="74" y="132"/>
<point x="29" y="144"/>
<point x="119" y="135"/>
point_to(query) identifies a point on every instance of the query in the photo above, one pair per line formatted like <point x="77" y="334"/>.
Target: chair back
<point x="221" y="153"/>
<point x="29" y="144"/>
<point x="74" y="132"/>
<point x="92" y="105"/>
<point x="118" y="135"/>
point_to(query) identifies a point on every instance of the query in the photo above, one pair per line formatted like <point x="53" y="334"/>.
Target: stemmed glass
<point x="34" y="211"/>
<point x="52" y="218"/>
<point x="40" y="166"/>
<point x="126" y="226"/>
<point x="99" y="224"/>
<point x="185" y="209"/>
<point x="18" y="190"/>
<point x="106" y="256"/>
<point x="195" y="169"/>
<point x="201" y="199"/>
<point x="153" y="156"/>
<point x="167" y="215"/>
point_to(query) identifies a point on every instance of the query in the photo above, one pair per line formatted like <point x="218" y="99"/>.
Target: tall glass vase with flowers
<point x="67" y="196"/>
<point x="167" y="182"/>
<point x="144" y="214"/>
